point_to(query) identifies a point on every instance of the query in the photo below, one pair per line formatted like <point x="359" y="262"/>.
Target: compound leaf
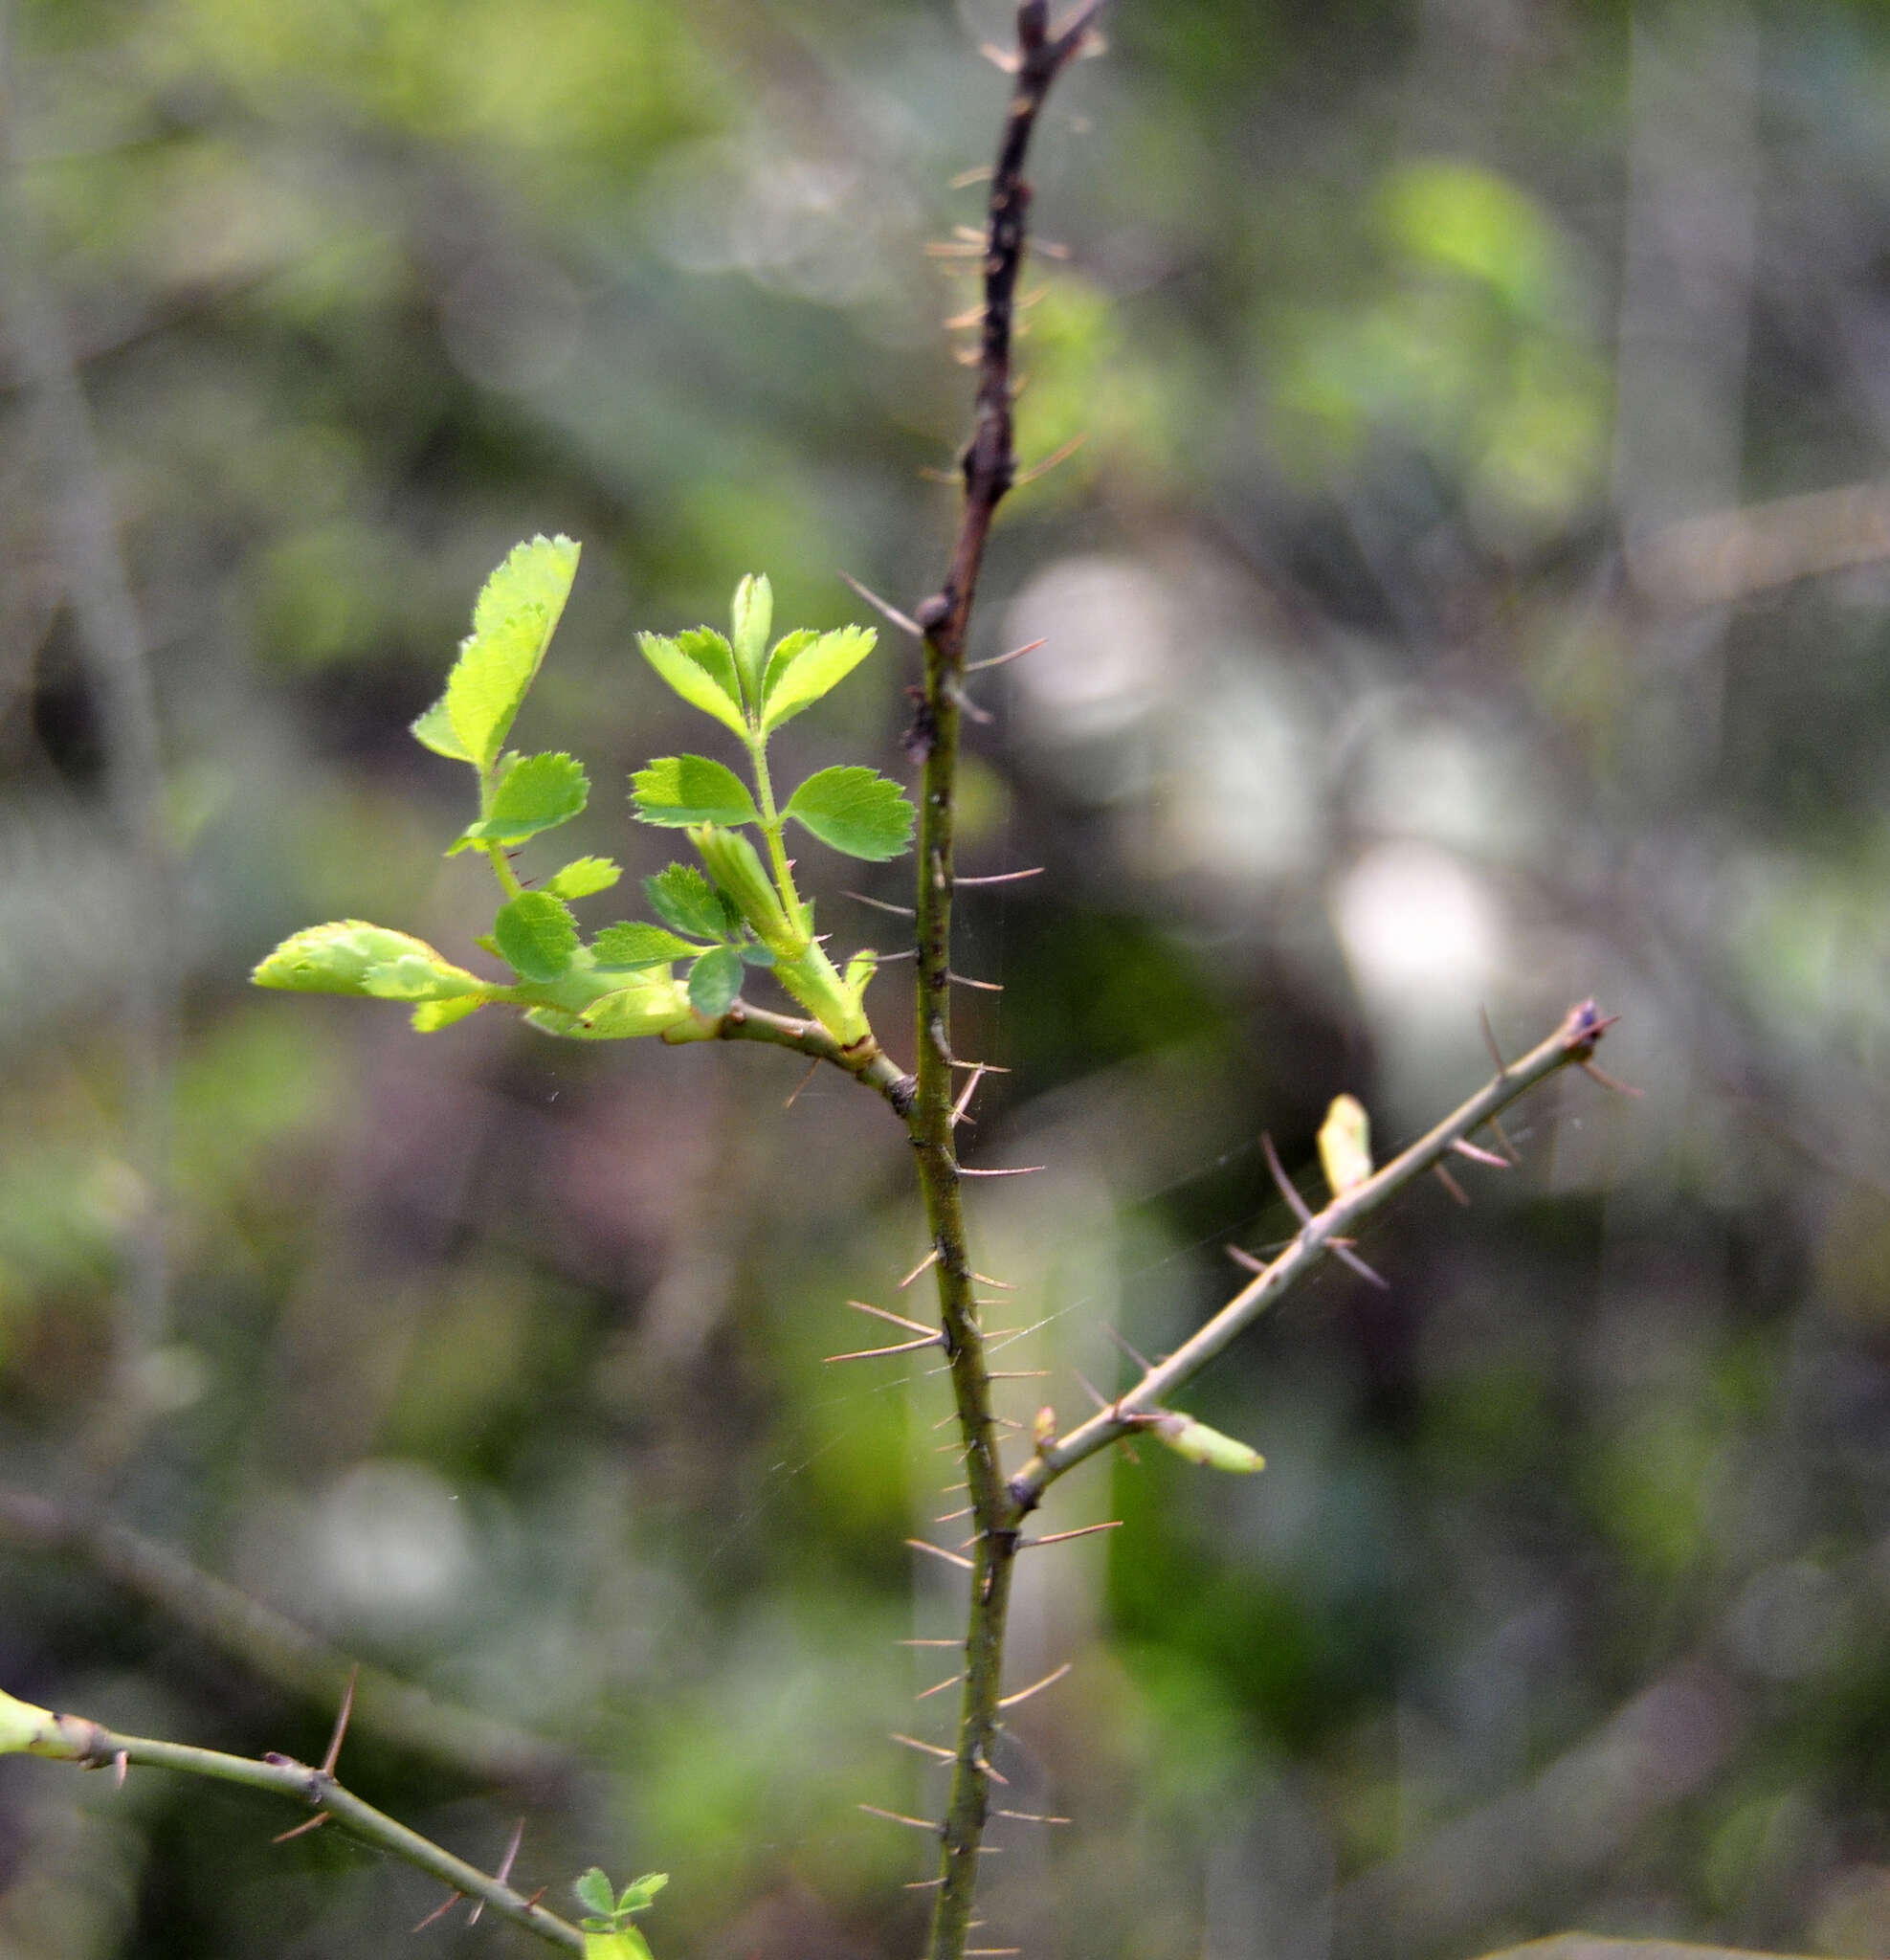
<point x="675" y="791"/>
<point x="701" y="667"/>
<point x="536" y="934"/>
<point x="809" y="672"/>
<point x="865" y="815"/>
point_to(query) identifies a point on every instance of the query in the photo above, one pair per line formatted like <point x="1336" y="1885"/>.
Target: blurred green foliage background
<point x="1471" y="593"/>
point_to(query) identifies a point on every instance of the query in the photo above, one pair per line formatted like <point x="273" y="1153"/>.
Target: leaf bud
<point x="753" y="622"/>
<point x="736" y="867"/>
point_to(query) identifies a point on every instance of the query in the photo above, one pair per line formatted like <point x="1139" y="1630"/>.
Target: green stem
<point x="502" y="870"/>
<point x="772" y="826"/>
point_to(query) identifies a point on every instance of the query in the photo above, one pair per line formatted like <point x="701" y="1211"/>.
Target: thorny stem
<point x="93" y="1747"/>
<point x="871" y="1066"/>
<point x="1571" y="1044"/>
<point x="989" y="467"/>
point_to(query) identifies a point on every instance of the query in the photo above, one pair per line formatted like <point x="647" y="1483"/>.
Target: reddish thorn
<point x="333" y="1756"/>
<point x="439" y="1911"/>
<point x="313" y="1823"/>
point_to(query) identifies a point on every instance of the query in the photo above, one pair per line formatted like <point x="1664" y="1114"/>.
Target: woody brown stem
<point x="989" y="468"/>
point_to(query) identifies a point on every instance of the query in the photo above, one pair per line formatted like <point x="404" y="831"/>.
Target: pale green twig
<point x="1573" y="1043"/>
<point x="91" y="1746"/>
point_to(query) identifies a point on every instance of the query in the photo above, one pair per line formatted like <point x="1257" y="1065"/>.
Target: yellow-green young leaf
<point x="342" y="958"/>
<point x="536" y="792"/>
<point x="582" y="877"/>
<point x="677" y="790"/>
<point x="786" y="650"/>
<point x="700" y="668"/>
<point x="414" y="976"/>
<point x="861" y="969"/>
<point x="432" y="730"/>
<point x="649" y="1004"/>
<point x="633" y="944"/>
<point x="535" y="935"/>
<point x="431" y="1016"/>
<point x="22" y="1726"/>
<point x="512" y="624"/>
<point x="802" y="679"/>
<point x="626" y="1943"/>
<point x="854" y="810"/>
<point x="1345" y="1145"/>
<point x="754" y="620"/>
<point x="1200" y="1444"/>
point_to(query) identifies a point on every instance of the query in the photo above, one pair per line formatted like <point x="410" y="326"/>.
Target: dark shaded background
<point x="1470" y="593"/>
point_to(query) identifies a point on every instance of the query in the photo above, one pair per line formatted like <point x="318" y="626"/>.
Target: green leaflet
<point x="701" y="667"/>
<point x="713" y="982"/>
<point x="677" y="790"/>
<point x="753" y="613"/>
<point x="786" y="650"/>
<point x="595" y="1894"/>
<point x="536" y="792"/>
<point x="582" y="877"/>
<point x="633" y="944"/>
<point x="683" y="899"/>
<point x="854" y="810"/>
<point x="350" y="956"/>
<point x="535" y="935"/>
<point x="1200" y="1444"/>
<point x="513" y="622"/>
<point x="808" y="671"/>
